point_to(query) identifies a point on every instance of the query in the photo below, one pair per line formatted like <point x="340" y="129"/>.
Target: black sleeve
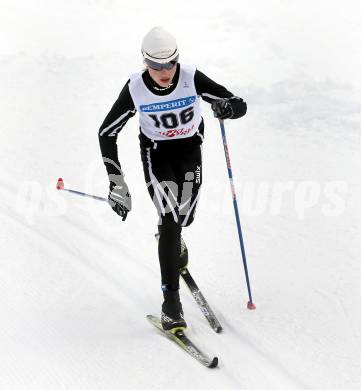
<point x="118" y="116"/>
<point x="210" y="91"/>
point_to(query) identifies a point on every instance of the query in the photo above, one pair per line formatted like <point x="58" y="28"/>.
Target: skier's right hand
<point x="222" y="109"/>
<point x="119" y="197"/>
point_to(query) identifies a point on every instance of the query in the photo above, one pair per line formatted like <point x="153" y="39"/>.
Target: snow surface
<point x="76" y="282"/>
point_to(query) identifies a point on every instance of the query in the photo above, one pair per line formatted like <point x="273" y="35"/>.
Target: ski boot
<point x="172" y="317"/>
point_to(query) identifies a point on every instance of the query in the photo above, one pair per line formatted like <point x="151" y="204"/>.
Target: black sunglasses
<point x="157" y="66"/>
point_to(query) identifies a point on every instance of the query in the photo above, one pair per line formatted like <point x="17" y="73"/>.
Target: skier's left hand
<point x="222" y="109"/>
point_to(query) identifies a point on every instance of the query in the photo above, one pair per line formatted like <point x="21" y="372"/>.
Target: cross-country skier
<point x="167" y="97"/>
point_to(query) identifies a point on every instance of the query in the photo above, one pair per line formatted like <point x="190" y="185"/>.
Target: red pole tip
<point x="251" y="306"/>
<point x="60" y="184"/>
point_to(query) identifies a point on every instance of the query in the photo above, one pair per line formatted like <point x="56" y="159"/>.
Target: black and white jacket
<point x="124" y="108"/>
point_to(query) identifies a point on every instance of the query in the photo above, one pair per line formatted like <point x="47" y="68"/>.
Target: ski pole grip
<point x="60" y="184"/>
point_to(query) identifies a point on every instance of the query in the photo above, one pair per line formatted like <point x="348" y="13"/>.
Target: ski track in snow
<point x="76" y="282"/>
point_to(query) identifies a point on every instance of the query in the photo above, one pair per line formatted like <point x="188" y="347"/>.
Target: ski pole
<point x="250" y="304"/>
<point x="60" y="186"/>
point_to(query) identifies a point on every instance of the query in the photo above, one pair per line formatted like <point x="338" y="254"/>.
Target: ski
<point x="201" y="301"/>
<point x="185" y="343"/>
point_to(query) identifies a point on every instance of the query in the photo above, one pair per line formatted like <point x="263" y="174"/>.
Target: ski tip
<point x="214" y="363"/>
<point x="218" y="329"/>
<point x="251" y="306"/>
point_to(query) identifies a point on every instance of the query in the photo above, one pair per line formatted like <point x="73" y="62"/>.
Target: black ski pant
<point x="173" y="173"/>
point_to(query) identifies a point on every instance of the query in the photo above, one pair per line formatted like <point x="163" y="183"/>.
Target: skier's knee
<point x="169" y="227"/>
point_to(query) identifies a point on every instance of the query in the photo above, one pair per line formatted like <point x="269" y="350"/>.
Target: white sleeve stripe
<point x="116" y="130"/>
<point x="211" y="96"/>
<point x="117" y="121"/>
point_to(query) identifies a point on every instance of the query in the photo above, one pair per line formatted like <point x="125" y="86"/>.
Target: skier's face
<point x="162" y="77"/>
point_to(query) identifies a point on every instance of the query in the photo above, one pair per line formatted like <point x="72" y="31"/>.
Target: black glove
<point x="119" y="197"/>
<point x="222" y="109"/>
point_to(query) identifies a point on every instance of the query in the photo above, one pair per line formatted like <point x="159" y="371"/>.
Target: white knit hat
<point x="159" y="46"/>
